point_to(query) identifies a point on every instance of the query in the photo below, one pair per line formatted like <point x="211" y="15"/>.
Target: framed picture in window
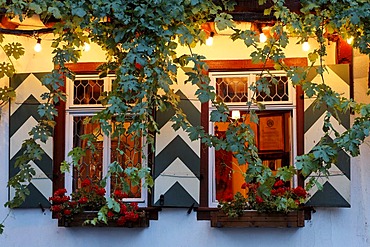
<point x="271" y="133"/>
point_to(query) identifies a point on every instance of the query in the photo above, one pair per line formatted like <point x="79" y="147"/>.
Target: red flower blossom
<point x="259" y="199"/>
<point x="279" y="183"/>
<point x="121" y="221"/>
<point x="134" y="206"/>
<point x="56" y="208"/>
<point x="299" y="191"/>
<point x="72" y="204"/>
<point x="123" y="208"/>
<point x="83" y="200"/>
<point x="119" y="194"/>
<point x="131" y="216"/>
<point x="86" y="182"/>
<point x="60" y="192"/>
<point x="110" y="214"/>
<point x="100" y="191"/>
<point x="67" y="212"/>
<point x="244" y="186"/>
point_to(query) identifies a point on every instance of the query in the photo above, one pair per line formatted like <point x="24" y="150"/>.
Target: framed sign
<point x="271" y="133"/>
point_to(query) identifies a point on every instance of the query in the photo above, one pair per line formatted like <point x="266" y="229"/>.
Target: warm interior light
<point x="350" y="40"/>
<point x="235" y="114"/>
<point x="305" y="46"/>
<point x="86" y="47"/>
<point x="263" y="38"/>
<point x="38" y="46"/>
<point x="209" y="40"/>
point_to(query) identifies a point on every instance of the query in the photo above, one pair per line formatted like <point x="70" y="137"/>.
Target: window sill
<point x="78" y="220"/>
<point x="255" y="219"/>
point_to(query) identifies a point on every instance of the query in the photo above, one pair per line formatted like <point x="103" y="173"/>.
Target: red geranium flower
<point x="56" y="208"/>
<point x="110" y="214"/>
<point x="86" y="182"/>
<point x="100" y="191"/>
<point x="279" y="183"/>
<point x="259" y="199"/>
<point x="123" y="208"/>
<point x="119" y="194"/>
<point x="244" y="186"/>
<point x="299" y="191"/>
<point x="60" y="192"/>
<point x="134" y="205"/>
<point x="83" y="200"/>
<point x="67" y="212"/>
<point x="121" y="221"/>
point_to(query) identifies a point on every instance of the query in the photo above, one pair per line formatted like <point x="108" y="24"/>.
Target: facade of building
<point x="340" y="216"/>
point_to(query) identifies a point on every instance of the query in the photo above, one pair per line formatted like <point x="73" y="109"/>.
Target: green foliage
<point x="140" y="40"/>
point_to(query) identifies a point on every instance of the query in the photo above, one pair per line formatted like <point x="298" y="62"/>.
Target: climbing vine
<point x="140" y="40"/>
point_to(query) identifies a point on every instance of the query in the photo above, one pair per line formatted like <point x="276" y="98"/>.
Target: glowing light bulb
<point x="305" y="46"/>
<point x="86" y="47"/>
<point x="263" y="38"/>
<point x="38" y="46"/>
<point x="209" y="40"/>
<point x="350" y="40"/>
<point x="235" y="114"/>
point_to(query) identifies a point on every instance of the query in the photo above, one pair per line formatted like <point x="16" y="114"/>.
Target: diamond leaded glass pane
<point x="279" y="90"/>
<point x="232" y="89"/>
<point x="90" y="165"/>
<point x="87" y="91"/>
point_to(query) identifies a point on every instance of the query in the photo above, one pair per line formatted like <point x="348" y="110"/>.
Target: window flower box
<point x="79" y="220"/>
<point x="252" y="218"/>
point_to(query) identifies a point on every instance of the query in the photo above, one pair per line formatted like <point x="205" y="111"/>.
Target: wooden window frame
<point x="204" y="211"/>
<point x="85" y="68"/>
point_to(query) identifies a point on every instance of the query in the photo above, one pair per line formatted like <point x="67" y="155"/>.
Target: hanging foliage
<point x="140" y="39"/>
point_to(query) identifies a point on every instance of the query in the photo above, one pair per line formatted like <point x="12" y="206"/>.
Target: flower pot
<point x="252" y="218"/>
<point x="78" y="220"/>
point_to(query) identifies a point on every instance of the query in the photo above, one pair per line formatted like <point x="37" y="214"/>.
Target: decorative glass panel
<point x="232" y="89"/>
<point x="90" y="165"/>
<point x="87" y="91"/>
<point x="279" y="86"/>
<point x="127" y="151"/>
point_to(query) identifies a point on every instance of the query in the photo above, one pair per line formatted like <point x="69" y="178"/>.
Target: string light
<point x="305" y="46"/>
<point x="86" y="47"/>
<point x="235" y="114"/>
<point x="263" y="38"/>
<point x="209" y="40"/>
<point x="350" y="40"/>
<point x="38" y="46"/>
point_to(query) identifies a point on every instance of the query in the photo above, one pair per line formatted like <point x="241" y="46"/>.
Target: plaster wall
<point x="329" y="226"/>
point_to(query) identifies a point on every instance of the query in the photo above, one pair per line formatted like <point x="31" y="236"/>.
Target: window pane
<point x="127" y="151"/>
<point x="87" y="91"/>
<point x="90" y="165"/>
<point x="229" y="174"/>
<point x="232" y="89"/>
<point x="278" y="89"/>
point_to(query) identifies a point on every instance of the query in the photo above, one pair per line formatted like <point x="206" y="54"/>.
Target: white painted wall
<point x="175" y="228"/>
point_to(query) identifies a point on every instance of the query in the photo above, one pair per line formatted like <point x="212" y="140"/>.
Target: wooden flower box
<point x="78" y="220"/>
<point x="255" y="219"/>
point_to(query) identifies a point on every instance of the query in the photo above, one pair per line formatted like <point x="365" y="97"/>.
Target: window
<point x="274" y="135"/>
<point x="286" y="103"/>
<point x="82" y="103"/>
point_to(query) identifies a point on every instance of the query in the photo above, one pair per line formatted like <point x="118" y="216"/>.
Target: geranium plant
<point x="280" y="198"/>
<point x="91" y="197"/>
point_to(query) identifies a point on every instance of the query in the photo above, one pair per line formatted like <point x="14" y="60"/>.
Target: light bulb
<point x="86" y="47"/>
<point x="263" y="38"/>
<point x="305" y="46"/>
<point x="350" y="40"/>
<point x="38" y="46"/>
<point x="235" y="114"/>
<point x="209" y="40"/>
